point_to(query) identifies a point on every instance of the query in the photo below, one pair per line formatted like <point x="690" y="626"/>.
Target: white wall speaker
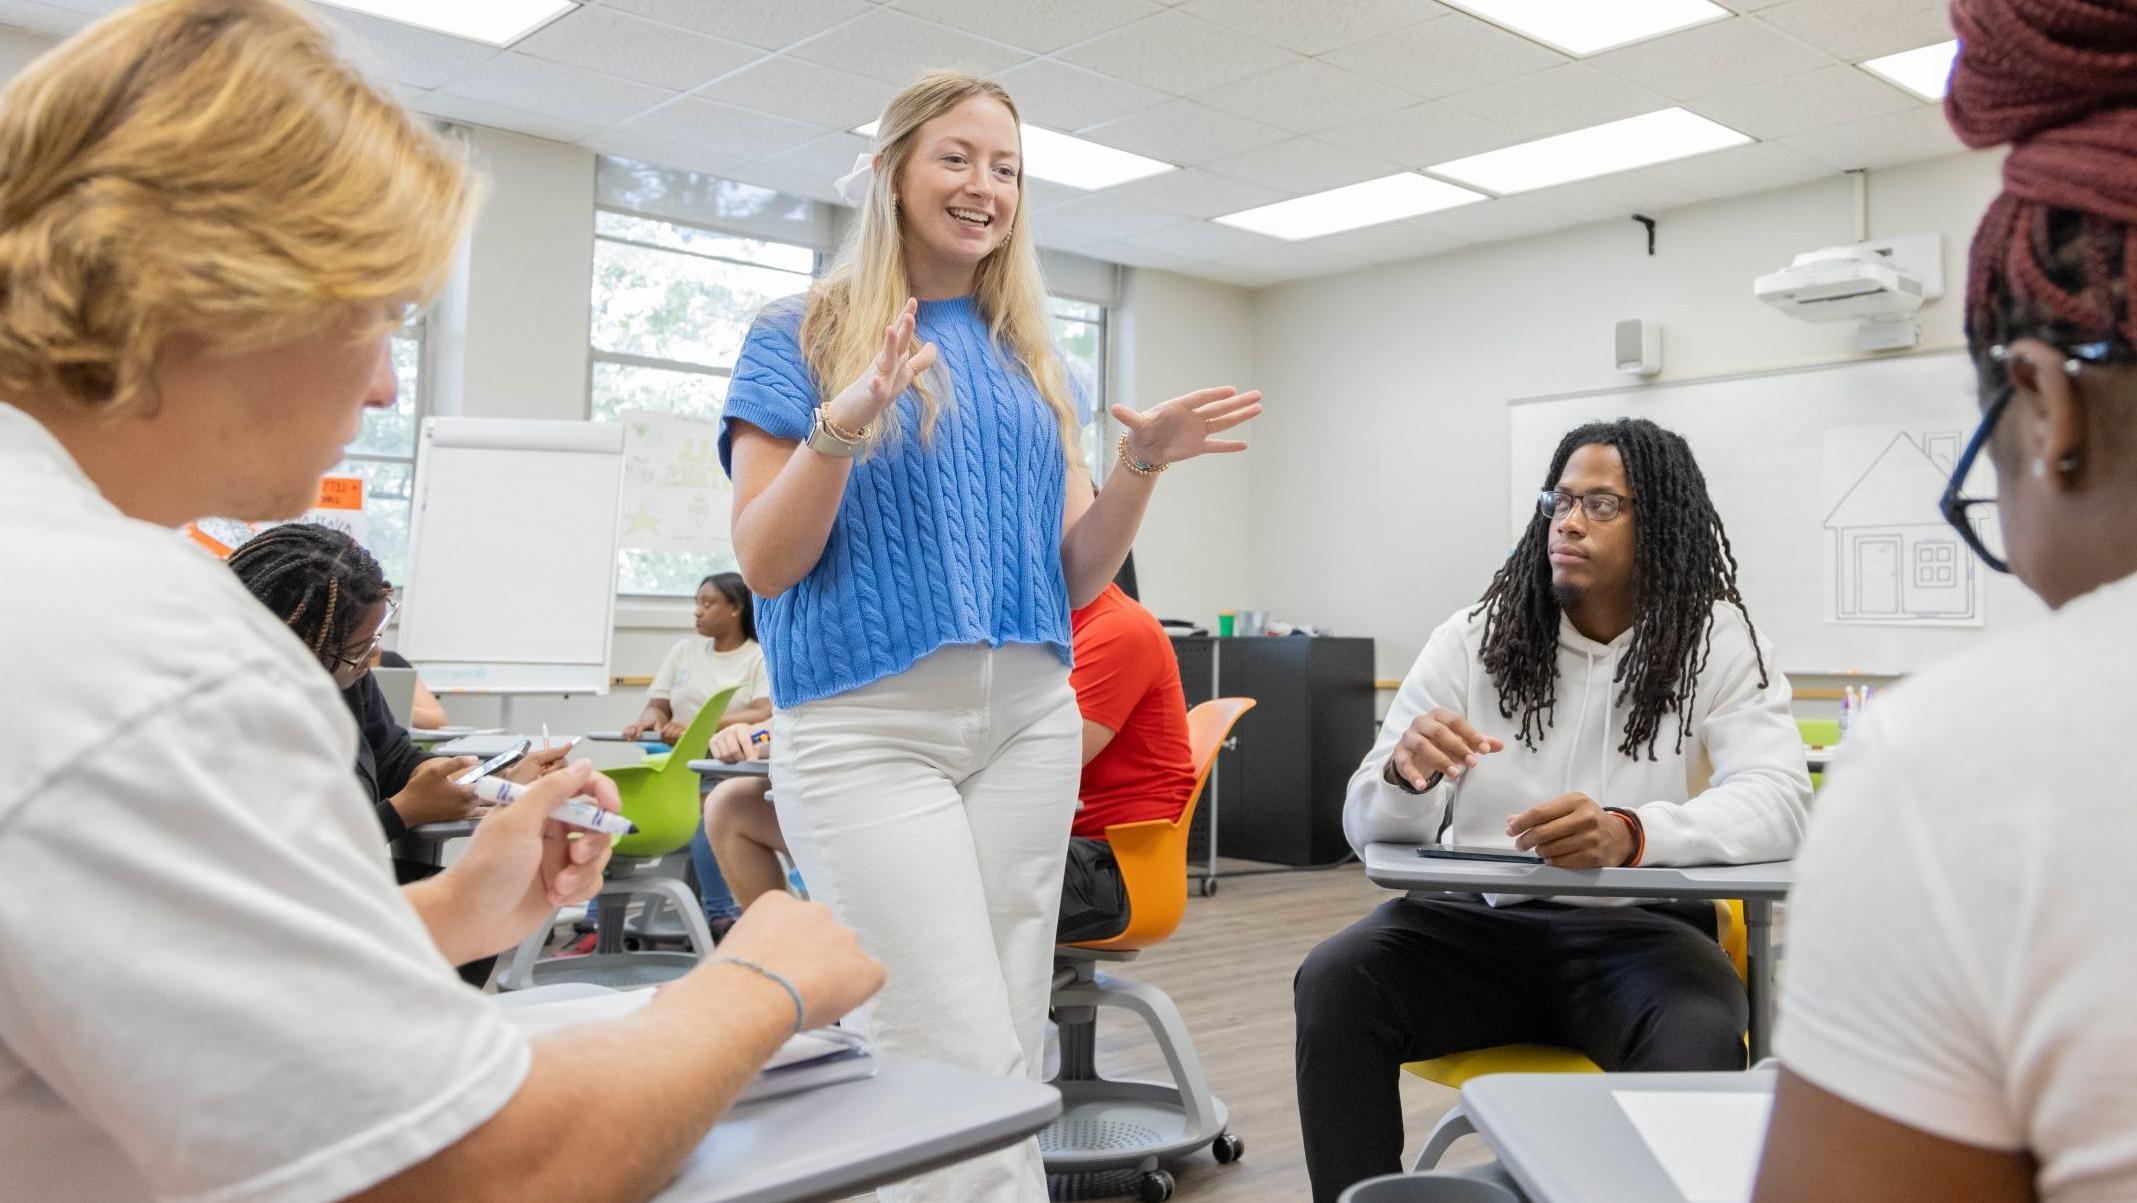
<point x="1639" y="347"/>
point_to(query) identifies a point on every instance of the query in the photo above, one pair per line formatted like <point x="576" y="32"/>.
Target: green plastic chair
<point x="661" y="797"/>
<point x="1818" y="733"/>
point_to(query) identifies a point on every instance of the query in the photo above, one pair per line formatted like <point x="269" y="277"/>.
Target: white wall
<point x="1378" y="478"/>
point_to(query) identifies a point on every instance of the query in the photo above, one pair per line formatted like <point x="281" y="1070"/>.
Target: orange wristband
<point x="1638" y="831"/>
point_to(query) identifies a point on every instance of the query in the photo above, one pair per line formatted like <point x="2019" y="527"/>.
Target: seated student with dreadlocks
<point x="1606" y="703"/>
<point x="1956" y="1018"/>
<point x="327" y="589"/>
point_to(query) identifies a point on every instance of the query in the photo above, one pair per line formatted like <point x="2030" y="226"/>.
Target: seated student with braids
<point x="330" y="593"/>
<point x="724" y="652"/>
<point x="1607" y="702"/>
<point x="1956" y="1018"/>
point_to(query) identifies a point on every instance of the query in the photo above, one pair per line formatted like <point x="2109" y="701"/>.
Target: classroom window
<point x="672" y="303"/>
<point x="384" y="455"/>
<point x="1080" y="332"/>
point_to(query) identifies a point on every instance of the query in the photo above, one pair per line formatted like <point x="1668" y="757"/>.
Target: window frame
<point x="426" y="350"/>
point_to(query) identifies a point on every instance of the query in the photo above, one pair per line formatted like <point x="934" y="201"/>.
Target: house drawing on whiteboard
<point x="1897" y="560"/>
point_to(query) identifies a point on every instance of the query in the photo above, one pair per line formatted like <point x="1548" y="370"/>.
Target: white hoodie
<point x="1737" y="794"/>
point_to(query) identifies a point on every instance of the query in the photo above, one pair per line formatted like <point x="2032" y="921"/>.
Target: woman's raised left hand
<point x="1185" y="426"/>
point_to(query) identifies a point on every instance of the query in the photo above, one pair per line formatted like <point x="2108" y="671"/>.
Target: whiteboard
<point x="1788" y="457"/>
<point x="512" y="555"/>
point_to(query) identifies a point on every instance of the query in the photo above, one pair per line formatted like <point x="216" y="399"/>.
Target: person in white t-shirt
<point x="1956" y="1017"/>
<point x="724" y="653"/>
<point x="210" y="986"/>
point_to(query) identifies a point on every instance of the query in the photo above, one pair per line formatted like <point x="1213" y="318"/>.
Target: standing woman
<point x="909" y="505"/>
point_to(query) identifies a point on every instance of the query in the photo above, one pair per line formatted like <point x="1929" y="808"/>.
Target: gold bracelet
<point x="1128" y="460"/>
<point x="851" y="436"/>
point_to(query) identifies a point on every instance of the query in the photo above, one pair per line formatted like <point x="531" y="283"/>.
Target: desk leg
<point x="1758" y="972"/>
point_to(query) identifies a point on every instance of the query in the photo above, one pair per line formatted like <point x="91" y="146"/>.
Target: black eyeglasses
<point x="1972" y="516"/>
<point x="1600" y="507"/>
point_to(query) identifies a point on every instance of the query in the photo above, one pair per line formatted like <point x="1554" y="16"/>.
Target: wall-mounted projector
<point x="1879" y="284"/>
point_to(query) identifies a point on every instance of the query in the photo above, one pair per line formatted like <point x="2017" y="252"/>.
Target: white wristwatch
<point x="824" y="439"/>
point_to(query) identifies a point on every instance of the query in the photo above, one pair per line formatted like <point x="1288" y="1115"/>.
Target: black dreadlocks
<point x="1683" y="564"/>
<point x="314" y="578"/>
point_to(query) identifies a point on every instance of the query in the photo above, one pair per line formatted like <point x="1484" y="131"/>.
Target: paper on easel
<point x="1708" y="1143"/>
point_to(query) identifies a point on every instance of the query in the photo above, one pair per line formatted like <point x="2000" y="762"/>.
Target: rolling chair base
<point x="618" y="971"/>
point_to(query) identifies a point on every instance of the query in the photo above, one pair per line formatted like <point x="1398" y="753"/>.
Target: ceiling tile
<point x="1315" y="28"/>
<point x="1302" y="165"/>
<point x="1390" y="241"/>
<point x="829" y="157"/>
<point x="1134" y="256"/>
<point x="894" y="47"/>
<point x="390" y="50"/>
<point x="55" y="20"/>
<point x="1231" y="273"/>
<point x="660" y="153"/>
<point x="1741" y="169"/>
<point x="1306" y="96"/>
<point x="1040" y="25"/>
<point x="1858" y="29"/>
<point x="789" y="87"/>
<point x="1184" y="132"/>
<point x="722" y="128"/>
<point x="1198" y="240"/>
<point x="615" y="43"/>
<point x="1709" y="58"/>
<point x="1494" y="220"/>
<point x="1439" y="58"/>
<point x="1102" y="218"/>
<point x="1921" y="133"/>
<point x="1038" y="193"/>
<point x="1620" y="195"/>
<point x="1061" y="97"/>
<point x="1421" y="134"/>
<point x="1777" y="108"/>
<point x="1294" y="261"/>
<point x="1555" y="101"/>
<point x="1176" y="53"/>
<point x="533" y="85"/>
<point x="1749" y="6"/>
<point x="477" y="112"/>
<point x="1193" y="193"/>
<point x="772" y="24"/>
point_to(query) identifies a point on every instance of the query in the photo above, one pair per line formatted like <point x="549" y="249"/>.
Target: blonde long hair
<point x="208" y="168"/>
<point x="842" y="326"/>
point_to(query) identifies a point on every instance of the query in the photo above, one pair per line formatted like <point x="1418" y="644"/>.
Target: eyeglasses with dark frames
<point x="1969" y="515"/>
<point x="1599" y="507"/>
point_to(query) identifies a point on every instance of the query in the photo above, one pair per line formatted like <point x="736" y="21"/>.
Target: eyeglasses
<point x="1974" y="517"/>
<point x="1599" y="507"/>
<point x="339" y="662"/>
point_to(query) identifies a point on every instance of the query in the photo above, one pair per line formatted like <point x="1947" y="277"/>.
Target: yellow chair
<point x="661" y="797"/>
<point x="1108" y="1125"/>
<point x="1455" y="1069"/>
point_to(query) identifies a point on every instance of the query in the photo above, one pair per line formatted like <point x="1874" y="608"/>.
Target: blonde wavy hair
<point x="842" y="325"/>
<point x="209" y="168"/>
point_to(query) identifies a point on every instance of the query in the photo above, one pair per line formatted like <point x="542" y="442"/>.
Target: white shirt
<point x="692" y="672"/>
<point x="1735" y="794"/>
<point x="210" y="987"/>
<point x="1959" y="956"/>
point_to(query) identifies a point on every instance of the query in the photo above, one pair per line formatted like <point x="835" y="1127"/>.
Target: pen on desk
<point x="578" y="812"/>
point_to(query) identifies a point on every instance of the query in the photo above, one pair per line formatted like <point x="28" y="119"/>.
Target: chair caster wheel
<point x="1156" y="1187"/>
<point x="1227" y="1148"/>
<point x="1206" y="886"/>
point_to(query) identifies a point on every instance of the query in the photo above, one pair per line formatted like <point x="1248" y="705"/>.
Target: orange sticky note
<point x="341" y="493"/>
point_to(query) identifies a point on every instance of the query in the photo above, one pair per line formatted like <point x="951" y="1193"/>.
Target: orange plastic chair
<point x="1107" y="1124"/>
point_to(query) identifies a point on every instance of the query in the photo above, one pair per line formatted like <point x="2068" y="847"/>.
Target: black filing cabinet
<point x="1278" y="788"/>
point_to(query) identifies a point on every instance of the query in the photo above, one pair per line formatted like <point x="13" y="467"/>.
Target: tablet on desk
<point x="1476" y="852"/>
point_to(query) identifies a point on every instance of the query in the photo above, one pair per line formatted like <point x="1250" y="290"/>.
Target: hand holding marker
<point x="578" y="812"/>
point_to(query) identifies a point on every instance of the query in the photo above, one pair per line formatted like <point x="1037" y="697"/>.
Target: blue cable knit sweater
<point x="957" y="540"/>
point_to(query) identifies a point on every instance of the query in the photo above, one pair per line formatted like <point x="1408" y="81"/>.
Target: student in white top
<point x="1956" y="1018"/>
<point x="725" y="652"/>
<point x="210" y="986"/>
<point x="1606" y="703"/>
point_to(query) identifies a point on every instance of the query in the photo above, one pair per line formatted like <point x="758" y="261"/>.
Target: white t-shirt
<point x="210" y="987"/>
<point x="692" y="672"/>
<point x="1959" y="957"/>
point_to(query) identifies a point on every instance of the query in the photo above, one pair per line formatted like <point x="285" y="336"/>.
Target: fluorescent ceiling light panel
<point x="498" y="22"/>
<point x="1924" y="70"/>
<point x="1058" y="158"/>
<point x="1389" y="198"/>
<point x="1584" y="27"/>
<point x="1642" y="141"/>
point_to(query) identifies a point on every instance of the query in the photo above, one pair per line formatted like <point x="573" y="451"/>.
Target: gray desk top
<point x="1400" y="867"/>
<point x="1565" y="1139"/>
<point x="826" y="1143"/>
<point x="720" y="768"/>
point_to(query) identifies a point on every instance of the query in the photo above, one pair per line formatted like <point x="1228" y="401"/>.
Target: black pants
<point x="1633" y="987"/>
<point x="1094" y="898"/>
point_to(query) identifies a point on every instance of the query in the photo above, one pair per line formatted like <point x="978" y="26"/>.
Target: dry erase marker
<point x="578" y="812"/>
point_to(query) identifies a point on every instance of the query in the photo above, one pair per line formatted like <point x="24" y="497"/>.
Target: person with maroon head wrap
<point x="1956" y="1015"/>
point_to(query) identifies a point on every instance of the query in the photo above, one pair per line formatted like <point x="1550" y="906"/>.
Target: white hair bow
<point x="853" y="186"/>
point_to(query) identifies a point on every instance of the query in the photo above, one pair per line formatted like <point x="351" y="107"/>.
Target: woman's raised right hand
<point x="895" y="368"/>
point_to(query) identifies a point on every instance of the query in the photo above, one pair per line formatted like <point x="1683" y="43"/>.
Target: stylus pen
<point x="578" y="812"/>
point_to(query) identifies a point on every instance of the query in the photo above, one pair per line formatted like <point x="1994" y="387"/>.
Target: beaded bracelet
<point x="800" y="1012"/>
<point x="1127" y="459"/>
